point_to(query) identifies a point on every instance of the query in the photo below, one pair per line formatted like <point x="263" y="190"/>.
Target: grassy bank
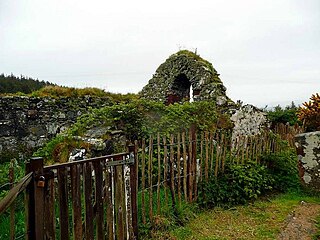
<point x="262" y="219"/>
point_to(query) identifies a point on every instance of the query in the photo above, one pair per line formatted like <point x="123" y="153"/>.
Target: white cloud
<point x="254" y="44"/>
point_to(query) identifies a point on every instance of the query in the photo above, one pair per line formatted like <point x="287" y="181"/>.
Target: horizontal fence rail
<point x="14" y="192"/>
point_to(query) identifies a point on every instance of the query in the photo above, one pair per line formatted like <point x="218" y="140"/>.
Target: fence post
<point x="35" y="200"/>
<point x="133" y="151"/>
<point x="12" y="208"/>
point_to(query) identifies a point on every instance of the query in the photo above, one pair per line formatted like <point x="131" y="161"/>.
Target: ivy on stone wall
<point x="134" y="120"/>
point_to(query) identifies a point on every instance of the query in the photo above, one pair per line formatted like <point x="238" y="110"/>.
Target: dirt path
<point x="300" y="224"/>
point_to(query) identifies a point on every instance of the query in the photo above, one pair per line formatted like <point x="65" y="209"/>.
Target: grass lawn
<point x="262" y="219"/>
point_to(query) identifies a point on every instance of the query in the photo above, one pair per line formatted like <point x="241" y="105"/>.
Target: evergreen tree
<point x="13" y="84"/>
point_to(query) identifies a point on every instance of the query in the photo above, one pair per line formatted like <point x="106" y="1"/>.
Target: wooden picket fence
<point x="94" y="198"/>
<point x="88" y="197"/>
<point x="287" y="132"/>
<point x="171" y="167"/>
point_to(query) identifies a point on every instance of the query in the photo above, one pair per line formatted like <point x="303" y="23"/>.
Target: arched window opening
<point x="182" y="88"/>
<point x="191" y="94"/>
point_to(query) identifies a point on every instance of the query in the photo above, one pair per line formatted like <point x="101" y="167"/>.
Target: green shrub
<point x="237" y="185"/>
<point x="284" y="169"/>
<point x="284" y="115"/>
<point x="141" y="118"/>
<point x="19" y="171"/>
<point x="58" y="91"/>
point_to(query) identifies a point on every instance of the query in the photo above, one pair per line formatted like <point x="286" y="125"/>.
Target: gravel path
<point x="300" y="224"/>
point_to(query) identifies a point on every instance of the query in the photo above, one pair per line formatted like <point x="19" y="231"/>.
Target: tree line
<point x="23" y="84"/>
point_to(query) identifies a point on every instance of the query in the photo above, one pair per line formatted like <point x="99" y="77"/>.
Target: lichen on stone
<point x="308" y="148"/>
<point x="185" y="76"/>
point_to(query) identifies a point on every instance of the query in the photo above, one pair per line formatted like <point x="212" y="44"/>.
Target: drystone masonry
<point x="249" y="121"/>
<point x="185" y="76"/>
<point x="308" y="149"/>
<point x="27" y="123"/>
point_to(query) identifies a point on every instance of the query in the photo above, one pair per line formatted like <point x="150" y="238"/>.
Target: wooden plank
<point x="109" y="203"/>
<point x="243" y="142"/>
<point x="12" y="208"/>
<point x="49" y="211"/>
<point x="184" y="166"/>
<point x="218" y="153"/>
<point x="251" y="148"/>
<point x="190" y="168"/>
<point x="238" y="149"/>
<point x="150" y="177"/>
<point x="165" y="169"/>
<point x="159" y="174"/>
<point x="39" y="204"/>
<point x="69" y="164"/>
<point x="143" y="182"/>
<point x="194" y="160"/>
<point x="257" y="142"/>
<point x="247" y="148"/>
<point x="179" y="167"/>
<point x="259" y="152"/>
<point x="63" y="203"/>
<point x="211" y="145"/>
<point x="89" y="227"/>
<point x="172" y="172"/>
<point x="76" y="202"/>
<point x="35" y="198"/>
<point x="201" y="156"/>
<point x="134" y="190"/>
<point x="29" y="207"/>
<point x="99" y="199"/>
<point x="223" y="145"/>
<point x="223" y="158"/>
<point x="206" y="165"/>
<point x="119" y="201"/>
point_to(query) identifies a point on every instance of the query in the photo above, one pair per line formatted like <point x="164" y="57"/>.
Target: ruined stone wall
<point x="308" y="149"/>
<point x="184" y="72"/>
<point x="27" y="123"/>
<point x="248" y="121"/>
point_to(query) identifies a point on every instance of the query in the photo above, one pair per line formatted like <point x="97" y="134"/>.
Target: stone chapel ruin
<point x="185" y="76"/>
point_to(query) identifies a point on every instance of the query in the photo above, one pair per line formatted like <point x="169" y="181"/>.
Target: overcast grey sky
<point x="267" y="52"/>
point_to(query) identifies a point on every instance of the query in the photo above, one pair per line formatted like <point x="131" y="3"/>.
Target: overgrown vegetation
<point x="139" y="119"/>
<point x="237" y="185"/>
<point x="243" y="182"/>
<point x="58" y="92"/>
<point x="262" y="219"/>
<point x="309" y="114"/>
<point x="22" y="84"/>
<point x="196" y="57"/>
<point x="135" y="119"/>
<point x="18" y="170"/>
<point x="284" y="115"/>
<point x="283" y="169"/>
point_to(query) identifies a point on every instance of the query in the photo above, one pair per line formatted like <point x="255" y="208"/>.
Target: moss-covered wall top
<point x="29" y="122"/>
<point x="184" y="72"/>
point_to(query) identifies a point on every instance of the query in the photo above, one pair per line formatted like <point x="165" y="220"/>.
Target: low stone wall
<point x="308" y="150"/>
<point x="27" y="123"/>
